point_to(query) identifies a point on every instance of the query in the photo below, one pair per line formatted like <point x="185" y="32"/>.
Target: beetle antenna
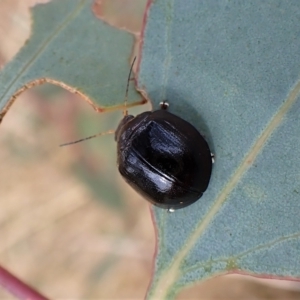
<point x="125" y="112"/>
<point x="87" y="138"/>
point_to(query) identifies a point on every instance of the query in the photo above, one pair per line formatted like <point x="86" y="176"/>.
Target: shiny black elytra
<point x="164" y="158"/>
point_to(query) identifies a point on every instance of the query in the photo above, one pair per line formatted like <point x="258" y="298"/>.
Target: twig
<point x="17" y="287"/>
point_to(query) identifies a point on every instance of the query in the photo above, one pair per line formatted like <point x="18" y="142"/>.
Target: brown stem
<point x="17" y="287"/>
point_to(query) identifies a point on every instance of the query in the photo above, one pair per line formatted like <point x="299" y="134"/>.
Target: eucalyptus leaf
<point x="233" y="66"/>
<point x="72" y="48"/>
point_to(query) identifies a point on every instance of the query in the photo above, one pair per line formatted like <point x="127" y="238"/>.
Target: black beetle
<point x="164" y="158"/>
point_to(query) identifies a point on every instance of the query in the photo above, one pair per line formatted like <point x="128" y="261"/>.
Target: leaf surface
<point x="231" y="68"/>
<point x="70" y="47"/>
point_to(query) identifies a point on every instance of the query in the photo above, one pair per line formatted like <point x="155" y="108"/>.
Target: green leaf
<point x="233" y="65"/>
<point x="70" y="47"/>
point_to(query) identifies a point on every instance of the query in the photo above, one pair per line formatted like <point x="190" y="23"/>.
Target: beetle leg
<point x="212" y="158"/>
<point x="164" y="105"/>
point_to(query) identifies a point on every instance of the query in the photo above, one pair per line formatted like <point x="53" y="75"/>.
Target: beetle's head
<point x="122" y="123"/>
